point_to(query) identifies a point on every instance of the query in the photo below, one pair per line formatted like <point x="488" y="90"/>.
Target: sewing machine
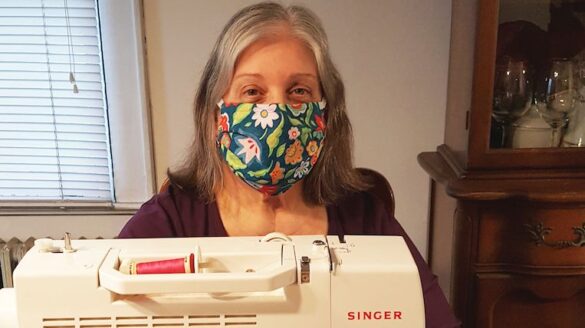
<point x="275" y="281"/>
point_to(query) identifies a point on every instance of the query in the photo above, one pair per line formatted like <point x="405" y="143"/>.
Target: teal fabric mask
<point x="271" y="146"/>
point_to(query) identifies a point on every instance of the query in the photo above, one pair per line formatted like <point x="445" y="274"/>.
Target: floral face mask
<point x="271" y="146"/>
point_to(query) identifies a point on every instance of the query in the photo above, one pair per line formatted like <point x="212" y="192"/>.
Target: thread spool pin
<point x="67" y="248"/>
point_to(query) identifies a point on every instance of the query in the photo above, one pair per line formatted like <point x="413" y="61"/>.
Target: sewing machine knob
<point x="67" y="240"/>
<point x="319" y="246"/>
<point x="276" y="236"/>
<point x="44" y="244"/>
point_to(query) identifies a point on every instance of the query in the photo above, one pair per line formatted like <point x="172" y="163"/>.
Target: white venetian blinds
<point x="53" y="139"/>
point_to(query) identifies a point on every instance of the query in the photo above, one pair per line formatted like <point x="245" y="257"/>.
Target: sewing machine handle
<point x="276" y="276"/>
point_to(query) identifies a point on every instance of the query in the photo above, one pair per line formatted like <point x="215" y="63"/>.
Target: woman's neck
<point x="245" y="211"/>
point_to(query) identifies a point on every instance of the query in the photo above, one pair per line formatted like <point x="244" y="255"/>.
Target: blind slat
<point x="50" y="21"/>
<point x="54" y="177"/>
<point x="62" y="119"/>
<point x="80" y="137"/>
<point x="51" y="92"/>
<point x="49" y="11"/>
<point x="37" y="167"/>
<point x="41" y="184"/>
<point x="43" y="67"/>
<point x="70" y="101"/>
<point x="48" y="3"/>
<point x="42" y="40"/>
<point x="43" y="111"/>
<point x="52" y="59"/>
<point x="97" y="162"/>
<point x="53" y="76"/>
<point x="49" y="156"/>
<point x="51" y="49"/>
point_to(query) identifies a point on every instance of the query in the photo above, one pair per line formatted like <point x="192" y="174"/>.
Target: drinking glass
<point x="575" y="134"/>
<point x="560" y="96"/>
<point x="512" y="93"/>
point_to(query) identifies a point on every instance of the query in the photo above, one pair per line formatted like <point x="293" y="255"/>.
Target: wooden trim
<point x="483" y="81"/>
<point x="449" y="157"/>
<point x="563" y="186"/>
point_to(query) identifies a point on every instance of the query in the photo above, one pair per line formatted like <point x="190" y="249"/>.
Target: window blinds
<point x="54" y="142"/>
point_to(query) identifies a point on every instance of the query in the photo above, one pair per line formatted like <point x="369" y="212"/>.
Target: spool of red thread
<point x="184" y="264"/>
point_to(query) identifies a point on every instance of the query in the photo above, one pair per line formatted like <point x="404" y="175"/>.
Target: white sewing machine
<point x="301" y="281"/>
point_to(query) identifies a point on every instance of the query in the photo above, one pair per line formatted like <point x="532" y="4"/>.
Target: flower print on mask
<point x="302" y="170"/>
<point x="270" y="146"/>
<point x="320" y="123"/>
<point x="277" y="173"/>
<point x="264" y="115"/>
<point x="267" y="189"/>
<point x="297" y="109"/>
<point x="312" y="148"/>
<point x="249" y="148"/>
<point x="294" y="153"/>
<point x="293" y="133"/>
<point x="225" y="140"/>
<point x="223" y="123"/>
<point x="315" y="157"/>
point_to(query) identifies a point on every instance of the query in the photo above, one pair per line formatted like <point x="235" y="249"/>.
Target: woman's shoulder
<point x="167" y="214"/>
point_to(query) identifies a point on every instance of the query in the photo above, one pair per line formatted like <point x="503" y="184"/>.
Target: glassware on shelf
<point x="512" y="93"/>
<point x="575" y="134"/>
<point x="532" y="131"/>
<point x="560" y="95"/>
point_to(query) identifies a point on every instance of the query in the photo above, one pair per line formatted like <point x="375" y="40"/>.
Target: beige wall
<point x="393" y="56"/>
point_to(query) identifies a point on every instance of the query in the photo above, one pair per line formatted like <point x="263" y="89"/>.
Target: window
<point x="54" y="142"/>
<point x="62" y="141"/>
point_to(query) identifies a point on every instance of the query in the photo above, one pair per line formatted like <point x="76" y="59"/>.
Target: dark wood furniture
<point x="518" y="256"/>
<point x="519" y="223"/>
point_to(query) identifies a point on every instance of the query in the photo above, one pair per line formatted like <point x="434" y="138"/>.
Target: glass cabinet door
<point x="538" y="95"/>
<point x="527" y="106"/>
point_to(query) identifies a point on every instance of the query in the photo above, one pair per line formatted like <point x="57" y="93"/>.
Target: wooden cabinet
<point x="518" y="258"/>
<point x="518" y="228"/>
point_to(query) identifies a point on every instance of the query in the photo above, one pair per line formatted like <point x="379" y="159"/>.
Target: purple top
<point x="176" y="213"/>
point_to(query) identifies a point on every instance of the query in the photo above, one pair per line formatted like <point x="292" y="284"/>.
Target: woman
<point x="272" y="148"/>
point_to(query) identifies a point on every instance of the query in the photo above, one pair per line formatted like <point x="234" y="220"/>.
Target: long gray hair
<point x="333" y="176"/>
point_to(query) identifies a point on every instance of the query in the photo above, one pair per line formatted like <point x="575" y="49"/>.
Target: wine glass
<point x="512" y="93"/>
<point x="560" y="96"/>
<point x="575" y="134"/>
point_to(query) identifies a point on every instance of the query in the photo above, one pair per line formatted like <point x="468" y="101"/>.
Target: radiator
<point x="11" y="252"/>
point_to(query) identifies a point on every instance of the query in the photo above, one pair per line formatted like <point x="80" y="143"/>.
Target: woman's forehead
<point x="283" y="56"/>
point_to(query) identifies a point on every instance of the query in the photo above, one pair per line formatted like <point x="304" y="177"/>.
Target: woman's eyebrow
<point x="303" y="75"/>
<point x="248" y="75"/>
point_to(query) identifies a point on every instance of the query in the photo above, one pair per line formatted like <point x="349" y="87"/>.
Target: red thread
<point x="167" y="266"/>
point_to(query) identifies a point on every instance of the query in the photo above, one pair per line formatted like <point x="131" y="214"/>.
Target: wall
<point x="393" y="56"/>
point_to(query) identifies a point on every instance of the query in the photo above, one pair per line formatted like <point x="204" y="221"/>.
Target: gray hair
<point x="333" y="175"/>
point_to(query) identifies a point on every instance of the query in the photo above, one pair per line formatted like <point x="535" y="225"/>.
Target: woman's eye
<point x="300" y="92"/>
<point x="251" y="92"/>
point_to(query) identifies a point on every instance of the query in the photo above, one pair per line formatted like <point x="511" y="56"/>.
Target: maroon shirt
<point x="176" y="213"/>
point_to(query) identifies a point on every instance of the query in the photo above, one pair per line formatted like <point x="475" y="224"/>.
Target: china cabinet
<point x="518" y="228"/>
